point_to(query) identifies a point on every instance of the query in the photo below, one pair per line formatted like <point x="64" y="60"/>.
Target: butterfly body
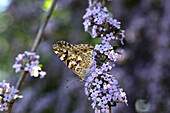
<point x="77" y="57"/>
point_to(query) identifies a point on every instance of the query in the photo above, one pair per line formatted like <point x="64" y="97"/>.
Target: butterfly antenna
<point x="70" y="83"/>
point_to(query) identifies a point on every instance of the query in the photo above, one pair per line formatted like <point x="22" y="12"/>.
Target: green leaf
<point x="47" y="4"/>
<point x="103" y="3"/>
<point x="40" y="65"/>
<point x="97" y="37"/>
<point x="118" y="31"/>
<point x="115" y="47"/>
<point x="109" y="8"/>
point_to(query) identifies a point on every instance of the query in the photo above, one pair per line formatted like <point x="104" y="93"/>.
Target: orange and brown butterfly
<point x="77" y="57"/>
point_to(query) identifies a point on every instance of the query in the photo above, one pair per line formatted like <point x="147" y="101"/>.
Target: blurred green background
<point x="143" y="73"/>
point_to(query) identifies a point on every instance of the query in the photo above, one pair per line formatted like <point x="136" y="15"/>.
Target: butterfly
<point x="76" y="57"/>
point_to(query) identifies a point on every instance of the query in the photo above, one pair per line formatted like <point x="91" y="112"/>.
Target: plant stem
<point x="104" y="2"/>
<point x="21" y="80"/>
<point x="42" y="27"/>
<point x="36" y="43"/>
<point x="110" y="109"/>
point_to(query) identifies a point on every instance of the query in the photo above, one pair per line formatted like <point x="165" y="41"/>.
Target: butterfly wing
<point x="63" y="51"/>
<point x="84" y="59"/>
<point x="77" y="57"/>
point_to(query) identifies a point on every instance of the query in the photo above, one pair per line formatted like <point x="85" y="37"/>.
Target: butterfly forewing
<point x="77" y="57"/>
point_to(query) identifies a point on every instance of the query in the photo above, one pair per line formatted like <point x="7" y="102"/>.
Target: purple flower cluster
<point x="29" y="61"/>
<point x="101" y="87"/>
<point x="7" y="95"/>
<point x="99" y="23"/>
<point x="105" y="50"/>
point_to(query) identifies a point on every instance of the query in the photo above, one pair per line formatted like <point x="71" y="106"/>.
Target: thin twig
<point x="21" y="80"/>
<point x="104" y="2"/>
<point x="110" y="109"/>
<point x="36" y="43"/>
<point x="42" y="27"/>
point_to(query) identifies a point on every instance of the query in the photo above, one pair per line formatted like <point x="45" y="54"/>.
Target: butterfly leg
<point x="80" y="78"/>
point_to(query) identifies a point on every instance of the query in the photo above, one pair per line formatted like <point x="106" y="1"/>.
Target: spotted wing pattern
<point x="77" y="57"/>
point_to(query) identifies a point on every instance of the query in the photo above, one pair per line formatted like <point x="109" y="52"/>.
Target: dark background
<point x="143" y="73"/>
